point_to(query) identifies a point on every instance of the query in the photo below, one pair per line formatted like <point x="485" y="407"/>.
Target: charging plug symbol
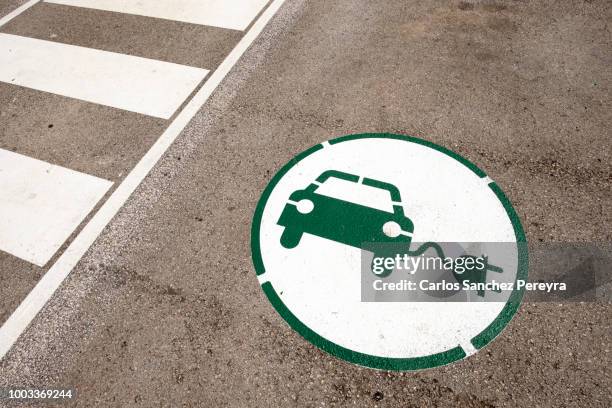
<point x="476" y="274"/>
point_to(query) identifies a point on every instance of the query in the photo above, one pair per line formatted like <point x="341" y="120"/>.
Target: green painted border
<point x="384" y="363"/>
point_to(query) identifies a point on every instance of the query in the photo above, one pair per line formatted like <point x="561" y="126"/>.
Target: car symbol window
<point x="356" y="192"/>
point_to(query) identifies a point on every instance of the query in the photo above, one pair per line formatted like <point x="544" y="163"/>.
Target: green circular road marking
<point x="267" y="249"/>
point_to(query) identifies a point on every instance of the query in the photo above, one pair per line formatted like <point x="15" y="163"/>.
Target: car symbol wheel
<point x="392" y="229"/>
<point x="305" y="206"/>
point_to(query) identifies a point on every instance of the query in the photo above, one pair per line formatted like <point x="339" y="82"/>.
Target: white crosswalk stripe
<point x="41" y="204"/>
<point x="135" y="84"/>
<point x="231" y="14"/>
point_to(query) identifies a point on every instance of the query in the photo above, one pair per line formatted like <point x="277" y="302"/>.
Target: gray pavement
<point x="165" y="309"/>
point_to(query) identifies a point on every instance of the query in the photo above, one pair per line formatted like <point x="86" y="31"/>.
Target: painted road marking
<point x="232" y="14"/>
<point x="136" y="84"/>
<point x="53" y="278"/>
<point x="41" y="205"/>
<point x="318" y="267"/>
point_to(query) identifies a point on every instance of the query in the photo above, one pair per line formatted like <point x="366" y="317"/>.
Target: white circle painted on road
<point x="308" y="260"/>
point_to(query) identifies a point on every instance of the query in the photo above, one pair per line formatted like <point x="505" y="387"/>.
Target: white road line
<point x="136" y="84"/>
<point x="44" y="289"/>
<point x="17" y="12"/>
<point x="232" y="14"/>
<point x="41" y="205"/>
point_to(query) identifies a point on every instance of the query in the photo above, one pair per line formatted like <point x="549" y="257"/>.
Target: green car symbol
<point x="342" y="221"/>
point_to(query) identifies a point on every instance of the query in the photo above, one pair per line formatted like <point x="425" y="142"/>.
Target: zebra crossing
<point x="45" y="203"/>
<point x="82" y="129"/>
<point x="43" y="200"/>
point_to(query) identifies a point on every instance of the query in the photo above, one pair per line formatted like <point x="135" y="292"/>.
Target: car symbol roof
<point x="392" y="189"/>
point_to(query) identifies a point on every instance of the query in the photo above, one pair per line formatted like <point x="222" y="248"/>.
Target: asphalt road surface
<point x="164" y="309"/>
